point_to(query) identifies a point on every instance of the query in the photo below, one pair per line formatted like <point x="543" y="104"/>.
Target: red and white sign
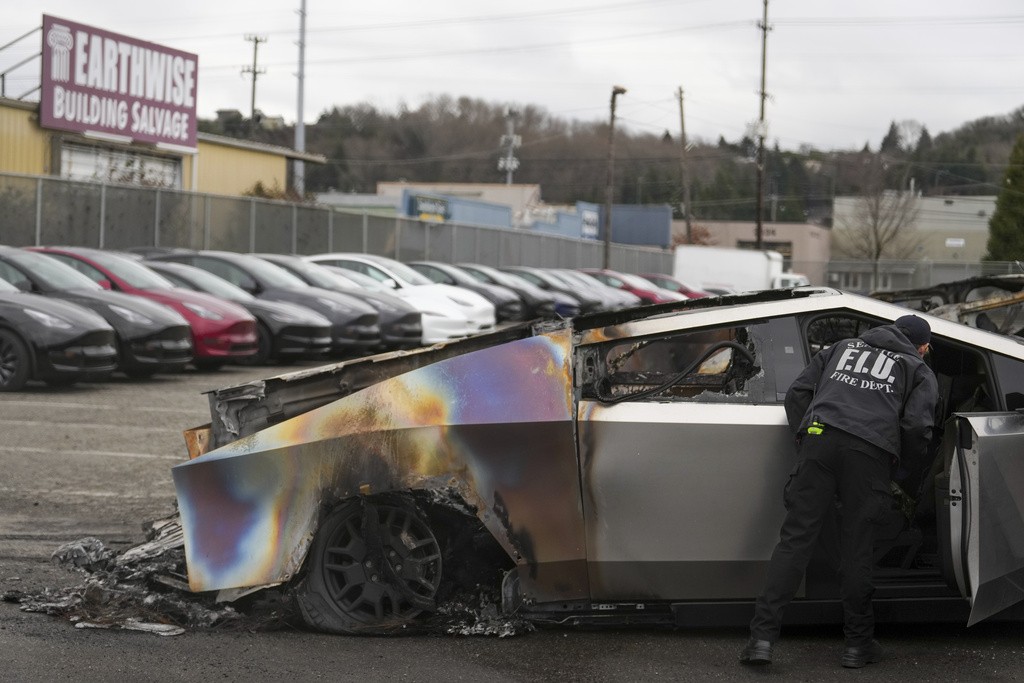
<point x="95" y="81"/>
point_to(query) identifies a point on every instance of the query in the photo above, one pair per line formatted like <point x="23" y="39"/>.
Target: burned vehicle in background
<point x="624" y="467"/>
<point x="988" y="302"/>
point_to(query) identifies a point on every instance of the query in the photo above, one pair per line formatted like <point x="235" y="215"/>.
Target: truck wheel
<point x="14" y="362"/>
<point x="374" y="566"/>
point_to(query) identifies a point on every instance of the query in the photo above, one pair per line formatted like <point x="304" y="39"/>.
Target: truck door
<point x="986" y="508"/>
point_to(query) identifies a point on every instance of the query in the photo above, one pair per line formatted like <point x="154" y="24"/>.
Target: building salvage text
<point x="109" y="112"/>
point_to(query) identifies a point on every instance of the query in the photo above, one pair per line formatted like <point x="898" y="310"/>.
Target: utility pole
<point x="509" y="163"/>
<point x="300" y="123"/>
<point x="609" y="192"/>
<point x="761" y="129"/>
<point x="256" y="40"/>
<point x="684" y="171"/>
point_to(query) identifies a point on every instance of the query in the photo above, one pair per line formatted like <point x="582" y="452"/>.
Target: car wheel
<point x="264" y="348"/>
<point x="374" y="566"/>
<point x="14" y="362"/>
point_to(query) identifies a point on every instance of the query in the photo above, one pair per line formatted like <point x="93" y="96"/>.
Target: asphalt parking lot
<point x="95" y="460"/>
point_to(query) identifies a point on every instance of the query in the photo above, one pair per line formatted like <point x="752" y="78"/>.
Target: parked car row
<point x="170" y="307"/>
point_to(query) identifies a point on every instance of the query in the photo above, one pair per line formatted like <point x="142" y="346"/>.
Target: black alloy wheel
<point x="374" y="566"/>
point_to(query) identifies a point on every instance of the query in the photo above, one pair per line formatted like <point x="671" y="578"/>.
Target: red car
<point x="221" y="330"/>
<point x="673" y="285"/>
<point x="648" y="292"/>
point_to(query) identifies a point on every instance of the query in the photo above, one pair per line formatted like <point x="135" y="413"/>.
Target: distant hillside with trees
<point x="457" y="140"/>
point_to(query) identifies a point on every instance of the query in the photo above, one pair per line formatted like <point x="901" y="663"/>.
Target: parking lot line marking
<point x="87" y="494"/>
<point x="44" y="423"/>
<point x="112" y="454"/>
<point x="94" y="406"/>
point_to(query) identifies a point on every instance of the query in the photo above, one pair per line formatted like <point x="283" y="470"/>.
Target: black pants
<point x="833" y="463"/>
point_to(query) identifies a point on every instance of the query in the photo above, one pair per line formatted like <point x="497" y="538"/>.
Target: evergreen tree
<point x="1006" y="227"/>
<point x="891" y="141"/>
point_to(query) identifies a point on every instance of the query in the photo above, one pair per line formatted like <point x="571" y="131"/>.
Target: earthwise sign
<point x="95" y="81"/>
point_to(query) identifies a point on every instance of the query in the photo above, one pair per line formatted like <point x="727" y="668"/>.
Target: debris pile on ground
<point x="476" y="614"/>
<point x="144" y="588"/>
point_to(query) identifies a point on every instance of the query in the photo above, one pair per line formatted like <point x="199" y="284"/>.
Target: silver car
<point x="617" y="468"/>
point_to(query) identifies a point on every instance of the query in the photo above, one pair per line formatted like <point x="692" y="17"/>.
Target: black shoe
<point x="856" y="657"/>
<point x="756" y="653"/>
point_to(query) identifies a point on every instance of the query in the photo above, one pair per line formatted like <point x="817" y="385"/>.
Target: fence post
<point x="252" y="224"/>
<point x="39" y="211"/>
<point x="295" y="227"/>
<point x="426" y="243"/>
<point x="366" y="227"/>
<point x="398" y="236"/>
<point x="103" y="211"/>
<point x="206" y="221"/>
<point x="330" y="229"/>
<point x="156" y="219"/>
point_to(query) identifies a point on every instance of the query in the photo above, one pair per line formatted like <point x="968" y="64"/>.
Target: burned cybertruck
<point x="617" y="468"/>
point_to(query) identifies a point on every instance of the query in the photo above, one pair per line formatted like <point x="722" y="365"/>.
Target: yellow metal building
<point x="218" y="165"/>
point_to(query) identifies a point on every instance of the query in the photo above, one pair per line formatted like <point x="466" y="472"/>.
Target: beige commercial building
<point x="218" y="165"/>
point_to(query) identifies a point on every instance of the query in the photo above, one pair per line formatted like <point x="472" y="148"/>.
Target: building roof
<point x="261" y="147"/>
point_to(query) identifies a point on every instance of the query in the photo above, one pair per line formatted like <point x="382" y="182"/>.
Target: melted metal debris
<point x="144" y="588"/>
<point x="476" y="614"/>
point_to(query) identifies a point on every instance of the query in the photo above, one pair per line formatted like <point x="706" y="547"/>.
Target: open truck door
<point x="986" y="508"/>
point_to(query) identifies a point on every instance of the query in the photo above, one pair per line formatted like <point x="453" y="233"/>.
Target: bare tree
<point x="882" y="223"/>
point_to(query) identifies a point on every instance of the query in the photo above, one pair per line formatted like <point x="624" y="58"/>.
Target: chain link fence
<point x="39" y="210"/>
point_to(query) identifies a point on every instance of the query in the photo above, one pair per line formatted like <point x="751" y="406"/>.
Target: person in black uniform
<point x="855" y="409"/>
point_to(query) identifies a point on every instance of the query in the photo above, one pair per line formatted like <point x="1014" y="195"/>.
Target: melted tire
<point x="375" y="565"/>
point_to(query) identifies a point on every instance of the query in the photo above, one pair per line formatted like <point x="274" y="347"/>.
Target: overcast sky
<point x="838" y="72"/>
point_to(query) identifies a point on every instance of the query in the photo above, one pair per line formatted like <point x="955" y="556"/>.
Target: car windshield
<point x="583" y="278"/>
<point x="486" y="274"/>
<point x="407" y="274"/>
<point x="634" y="281"/>
<point x="53" y="273"/>
<point x="273" y="275"/>
<point x="6" y="286"/>
<point x="315" y="275"/>
<point x="132" y="272"/>
<point x="211" y="284"/>
<point x="357" y="279"/>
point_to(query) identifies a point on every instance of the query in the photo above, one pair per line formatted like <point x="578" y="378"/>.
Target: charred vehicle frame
<point x="624" y="467"/>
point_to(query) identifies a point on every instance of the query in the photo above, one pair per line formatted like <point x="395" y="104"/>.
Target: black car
<point x="508" y="306"/>
<point x="589" y="302"/>
<point x="52" y="341"/>
<point x="354" y="324"/>
<point x="536" y="302"/>
<point x="150" y="338"/>
<point x="285" y="331"/>
<point x="401" y="325"/>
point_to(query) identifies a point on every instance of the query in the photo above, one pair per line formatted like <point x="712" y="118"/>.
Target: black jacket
<point x="876" y="387"/>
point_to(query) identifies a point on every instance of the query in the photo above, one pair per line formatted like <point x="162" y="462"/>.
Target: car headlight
<point x="48" y="320"/>
<point x="334" y="305"/>
<point x="130" y="315"/>
<point x="203" y="311"/>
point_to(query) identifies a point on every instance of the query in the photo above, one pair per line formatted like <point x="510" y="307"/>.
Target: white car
<point x="448" y="312"/>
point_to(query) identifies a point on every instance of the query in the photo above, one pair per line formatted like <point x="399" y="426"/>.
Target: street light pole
<point x="610" y="189"/>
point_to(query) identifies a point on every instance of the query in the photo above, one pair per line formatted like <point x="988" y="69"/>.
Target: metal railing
<point x="43" y="210"/>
